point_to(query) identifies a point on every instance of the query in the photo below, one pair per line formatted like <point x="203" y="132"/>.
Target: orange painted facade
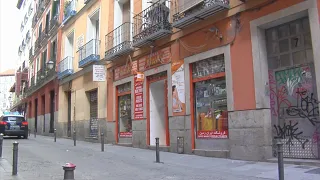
<point x="197" y="36"/>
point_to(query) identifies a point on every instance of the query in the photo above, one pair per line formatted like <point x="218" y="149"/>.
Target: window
<point x="289" y="44"/>
<point x="124" y="110"/>
<point x="210" y="101"/>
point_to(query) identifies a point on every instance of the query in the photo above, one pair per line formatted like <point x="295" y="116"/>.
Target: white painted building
<point x="7" y="78"/>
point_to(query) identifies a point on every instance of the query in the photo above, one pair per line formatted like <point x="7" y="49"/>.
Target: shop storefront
<point x="124" y="110"/>
<point x="210" y="98"/>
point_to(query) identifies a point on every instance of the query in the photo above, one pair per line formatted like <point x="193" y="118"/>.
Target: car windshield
<point x="13" y="118"/>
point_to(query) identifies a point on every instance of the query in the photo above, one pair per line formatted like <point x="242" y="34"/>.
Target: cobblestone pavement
<point x="42" y="159"/>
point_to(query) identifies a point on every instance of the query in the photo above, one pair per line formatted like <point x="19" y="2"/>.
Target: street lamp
<point x="50" y="64"/>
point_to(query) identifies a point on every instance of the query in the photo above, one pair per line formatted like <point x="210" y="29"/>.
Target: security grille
<point x="93" y="113"/>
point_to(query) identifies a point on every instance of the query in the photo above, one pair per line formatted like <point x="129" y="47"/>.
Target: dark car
<point x="14" y="125"/>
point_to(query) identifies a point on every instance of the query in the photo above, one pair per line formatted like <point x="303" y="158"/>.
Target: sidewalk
<point x="42" y="159"/>
<point x="5" y="171"/>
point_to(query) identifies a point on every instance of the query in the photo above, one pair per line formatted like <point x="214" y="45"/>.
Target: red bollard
<point x="69" y="171"/>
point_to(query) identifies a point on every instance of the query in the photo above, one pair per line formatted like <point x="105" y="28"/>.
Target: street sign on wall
<point x="99" y="73"/>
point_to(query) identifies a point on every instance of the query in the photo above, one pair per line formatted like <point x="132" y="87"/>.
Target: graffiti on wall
<point x="294" y="110"/>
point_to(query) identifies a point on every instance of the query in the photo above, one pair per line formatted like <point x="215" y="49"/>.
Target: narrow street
<point x="42" y="159"/>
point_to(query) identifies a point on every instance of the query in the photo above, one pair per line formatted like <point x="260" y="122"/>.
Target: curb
<point x="7" y="169"/>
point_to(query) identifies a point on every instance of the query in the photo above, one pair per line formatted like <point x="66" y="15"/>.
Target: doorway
<point x="52" y="105"/>
<point x="157" y="110"/>
<point x="36" y="115"/>
<point x="43" y="102"/>
<point x="69" y="114"/>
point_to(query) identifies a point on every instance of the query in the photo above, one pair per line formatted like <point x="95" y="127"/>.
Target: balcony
<point x="31" y="54"/>
<point x="44" y="36"/>
<point x="189" y="12"/>
<point x="34" y="21"/>
<point x="89" y="53"/>
<point x="151" y="24"/>
<point x="118" y="41"/>
<point x="28" y="37"/>
<point x="44" y="75"/>
<point x="65" y="67"/>
<point x="37" y="46"/>
<point x="41" y="7"/>
<point x="19" y="51"/>
<point x="54" y="24"/>
<point x="69" y="10"/>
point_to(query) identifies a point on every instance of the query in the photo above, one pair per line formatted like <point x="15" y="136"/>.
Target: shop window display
<point x="211" y="113"/>
<point x="124" y="108"/>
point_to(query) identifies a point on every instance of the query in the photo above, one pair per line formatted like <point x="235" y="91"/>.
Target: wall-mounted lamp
<point x="50" y="64"/>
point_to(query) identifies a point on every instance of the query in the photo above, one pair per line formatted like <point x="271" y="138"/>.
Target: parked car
<point x="13" y="124"/>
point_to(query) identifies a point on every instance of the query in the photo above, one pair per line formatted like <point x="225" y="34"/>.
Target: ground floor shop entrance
<point x="157" y="109"/>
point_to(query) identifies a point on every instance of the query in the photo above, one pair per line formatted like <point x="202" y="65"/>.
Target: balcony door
<point x="93" y="33"/>
<point x="69" y="45"/>
<point x="47" y="22"/>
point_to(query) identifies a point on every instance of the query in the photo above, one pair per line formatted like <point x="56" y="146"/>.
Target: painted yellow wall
<point x="84" y="83"/>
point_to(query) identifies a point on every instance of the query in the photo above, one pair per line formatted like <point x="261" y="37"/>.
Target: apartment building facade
<point x="20" y="86"/>
<point x="82" y="97"/>
<point x="45" y="52"/>
<point x="214" y="78"/>
<point x="7" y="78"/>
<point x="219" y="78"/>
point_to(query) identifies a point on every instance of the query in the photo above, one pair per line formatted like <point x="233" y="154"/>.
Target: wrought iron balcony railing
<point x="41" y="7"/>
<point x="54" y="24"/>
<point x="151" y="24"/>
<point x="89" y="53"/>
<point x="188" y="12"/>
<point x="65" y="67"/>
<point x="34" y="21"/>
<point x="37" y="46"/>
<point x="44" y="74"/>
<point x="70" y="9"/>
<point x="31" y="53"/>
<point x="118" y="41"/>
<point x="28" y="37"/>
<point x="44" y="36"/>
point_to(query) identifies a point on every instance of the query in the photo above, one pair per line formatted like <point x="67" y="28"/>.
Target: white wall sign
<point x="80" y="41"/>
<point x="99" y="73"/>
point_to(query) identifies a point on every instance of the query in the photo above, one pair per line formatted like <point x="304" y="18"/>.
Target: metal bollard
<point x="15" y="158"/>
<point x="69" y="171"/>
<point x="280" y="160"/>
<point x="55" y="135"/>
<point x="35" y="133"/>
<point x="29" y="132"/>
<point x="74" y="138"/>
<point x="157" y="151"/>
<point x="102" y="142"/>
<point x="1" y="143"/>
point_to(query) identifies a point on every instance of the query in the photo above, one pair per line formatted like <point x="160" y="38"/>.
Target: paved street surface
<point x="42" y="159"/>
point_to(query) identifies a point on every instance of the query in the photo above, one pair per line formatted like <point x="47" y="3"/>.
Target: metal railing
<point x="44" y="35"/>
<point x="119" y="38"/>
<point x="41" y="7"/>
<point x="151" y="20"/>
<point x="69" y="9"/>
<point x="187" y="12"/>
<point x="65" y="64"/>
<point x="90" y="48"/>
<point x="54" y="22"/>
<point x="28" y="36"/>
<point x="31" y="53"/>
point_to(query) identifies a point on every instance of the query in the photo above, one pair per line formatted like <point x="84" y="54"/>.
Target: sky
<point x="9" y="34"/>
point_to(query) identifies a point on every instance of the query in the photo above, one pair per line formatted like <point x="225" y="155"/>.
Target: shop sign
<point x="155" y="59"/>
<point x="178" y="90"/>
<point x="125" y="134"/>
<point x="125" y="70"/>
<point x="213" y="134"/>
<point x="99" y="73"/>
<point x="138" y="99"/>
